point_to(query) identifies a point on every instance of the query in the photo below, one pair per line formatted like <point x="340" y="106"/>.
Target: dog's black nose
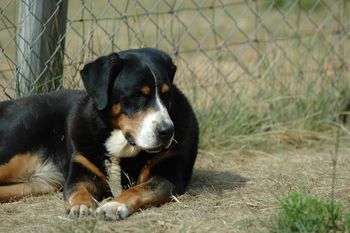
<point x="165" y="131"/>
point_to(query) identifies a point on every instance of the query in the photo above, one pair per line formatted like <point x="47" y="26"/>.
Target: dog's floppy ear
<point x="171" y="67"/>
<point x="171" y="70"/>
<point x="97" y="77"/>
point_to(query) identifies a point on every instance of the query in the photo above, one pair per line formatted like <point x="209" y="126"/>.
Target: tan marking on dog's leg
<point x="144" y="195"/>
<point x="14" y="192"/>
<point x="20" y="167"/>
<point x="81" y="202"/>
<point x="146" y="172"/>
<point x="90" y="166"/>
<point x="137" y="198"/>
<point x="27" y="174"/>
<point x="82" y="195"/>
<point x="155" y="192"/>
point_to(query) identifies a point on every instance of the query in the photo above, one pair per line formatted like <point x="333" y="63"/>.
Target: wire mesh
<point x="226" y="50"/>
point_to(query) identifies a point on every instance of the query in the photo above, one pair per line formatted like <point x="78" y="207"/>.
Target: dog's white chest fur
<point x="118" y="147"/>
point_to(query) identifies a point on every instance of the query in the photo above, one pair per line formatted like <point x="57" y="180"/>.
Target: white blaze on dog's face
<point x="141" y="108"/>
<point x="157" y="129"/>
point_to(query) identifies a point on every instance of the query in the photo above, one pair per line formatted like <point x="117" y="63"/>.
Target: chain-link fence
<point x="230" y="54"/>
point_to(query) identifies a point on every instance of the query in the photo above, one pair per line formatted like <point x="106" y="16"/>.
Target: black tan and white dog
<point x="131" y="111"/>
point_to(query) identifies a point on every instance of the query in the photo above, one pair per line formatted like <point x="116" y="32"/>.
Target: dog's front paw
<point x="112" y="210"/>
<point x="80" y="211"/>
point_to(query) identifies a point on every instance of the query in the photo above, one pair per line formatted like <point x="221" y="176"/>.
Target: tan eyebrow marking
<point x="145" y="90"/>
<point x="165" y="88"/>
<point x="116" y="110"/>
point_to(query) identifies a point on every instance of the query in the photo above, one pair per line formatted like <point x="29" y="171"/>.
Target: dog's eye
<point x="138" y="94"/>
<point x="166" y="94"/>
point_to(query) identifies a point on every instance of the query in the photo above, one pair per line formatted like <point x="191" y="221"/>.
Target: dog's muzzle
<point x="164" y="133"/>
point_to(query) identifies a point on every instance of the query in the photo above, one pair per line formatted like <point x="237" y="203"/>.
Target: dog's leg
<point x="14" y="192"/>
<point x="154" y="192"/>
<point x="85" y="185"/>
<point x="28" y="174"/>
<point x="81" y="198"/>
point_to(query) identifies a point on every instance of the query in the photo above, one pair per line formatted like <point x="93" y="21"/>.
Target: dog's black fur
<point x="69" y="129"/>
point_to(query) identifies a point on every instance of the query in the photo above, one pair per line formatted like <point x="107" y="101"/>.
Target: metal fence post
<point x="40" y="46"/>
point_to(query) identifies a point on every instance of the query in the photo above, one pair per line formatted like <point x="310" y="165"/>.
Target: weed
<point x="304" y="213"/>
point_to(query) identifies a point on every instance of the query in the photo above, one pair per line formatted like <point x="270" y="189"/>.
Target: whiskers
<point x="172" y="144"/>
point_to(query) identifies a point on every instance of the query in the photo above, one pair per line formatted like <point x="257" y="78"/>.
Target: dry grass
<point x="251" y="99"/>
<point x="230" y="192"/>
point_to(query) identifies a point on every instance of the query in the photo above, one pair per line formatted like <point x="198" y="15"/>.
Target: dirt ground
<point x="230" y="192"/>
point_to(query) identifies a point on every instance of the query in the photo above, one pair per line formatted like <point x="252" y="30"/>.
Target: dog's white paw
<point x="80" y="211"/>
<point x="112" y="210"/>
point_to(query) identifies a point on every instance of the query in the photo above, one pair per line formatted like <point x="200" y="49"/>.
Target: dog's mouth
<point x="152" y="150"/>
<point x="130" y="139"/>
<point x="158" y="149"/>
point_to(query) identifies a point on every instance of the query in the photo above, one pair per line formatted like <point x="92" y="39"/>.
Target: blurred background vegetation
<point x="259" y="73"/>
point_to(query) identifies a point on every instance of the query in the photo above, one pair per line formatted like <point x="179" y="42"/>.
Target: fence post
<point x="40" y="46"/>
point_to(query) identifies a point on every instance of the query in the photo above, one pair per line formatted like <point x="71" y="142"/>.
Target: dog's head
<point x="133" y="89"/>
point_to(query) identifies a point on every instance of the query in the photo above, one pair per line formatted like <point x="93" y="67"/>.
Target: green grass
<point x="266" y="120"/>
<point x="305" y="213"/>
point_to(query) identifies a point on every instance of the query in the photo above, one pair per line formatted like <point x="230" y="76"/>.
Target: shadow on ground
<point x="215" y="181"/>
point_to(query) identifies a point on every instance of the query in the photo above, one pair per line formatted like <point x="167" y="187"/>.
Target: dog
<point x="131" y="111"/>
